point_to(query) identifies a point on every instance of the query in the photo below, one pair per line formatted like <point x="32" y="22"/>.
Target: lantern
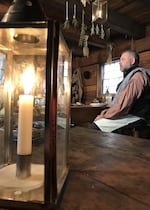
<point x="99" y="11"/>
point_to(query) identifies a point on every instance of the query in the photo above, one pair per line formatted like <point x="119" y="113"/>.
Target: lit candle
<point x="24" y="146"/>
<point x="25" y="116"/>
<point x="100" y="10"/>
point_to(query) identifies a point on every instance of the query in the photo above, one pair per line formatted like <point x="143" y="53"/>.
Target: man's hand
<point x="101" y="115"/>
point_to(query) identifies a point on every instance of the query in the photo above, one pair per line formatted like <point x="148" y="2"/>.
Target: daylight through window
<point x="111" y="76"/>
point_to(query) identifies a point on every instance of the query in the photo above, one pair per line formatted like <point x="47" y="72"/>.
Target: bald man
<point x="132" y="99"/>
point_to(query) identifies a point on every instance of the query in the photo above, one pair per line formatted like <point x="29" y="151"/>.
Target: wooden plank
<point x="142" y="44"/>
<point x="96" y="57"/>
<point x="144" y="59"/>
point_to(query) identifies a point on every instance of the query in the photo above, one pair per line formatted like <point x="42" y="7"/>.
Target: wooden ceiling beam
<point x="124" y="25"/>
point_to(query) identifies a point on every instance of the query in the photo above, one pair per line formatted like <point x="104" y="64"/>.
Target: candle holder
<point x="23" y="166"/>
<point x="34" y="126"/>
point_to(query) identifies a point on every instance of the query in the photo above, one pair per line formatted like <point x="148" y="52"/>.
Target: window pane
<point x="111" y="77"/>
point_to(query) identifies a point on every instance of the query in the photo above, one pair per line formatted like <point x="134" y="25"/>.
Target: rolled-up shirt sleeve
<point x="127" y="97"/>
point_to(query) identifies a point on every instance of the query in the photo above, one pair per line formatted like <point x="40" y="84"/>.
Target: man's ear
<point x="133" y="61"/>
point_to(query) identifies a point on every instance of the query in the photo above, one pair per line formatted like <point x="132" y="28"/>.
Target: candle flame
<point x="28" y="79"/>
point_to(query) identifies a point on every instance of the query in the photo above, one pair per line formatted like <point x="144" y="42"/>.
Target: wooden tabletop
<point x="107" y="172"/>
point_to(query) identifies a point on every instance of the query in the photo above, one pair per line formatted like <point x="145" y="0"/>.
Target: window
<point x="111" y="76"/>
<point x="2" y="67"/>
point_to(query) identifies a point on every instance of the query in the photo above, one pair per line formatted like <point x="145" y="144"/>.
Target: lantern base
<point x="23" y="166"/>
<point x="22" y="189"/>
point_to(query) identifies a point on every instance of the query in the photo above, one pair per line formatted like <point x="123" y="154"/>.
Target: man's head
<point x="128" y="59"/>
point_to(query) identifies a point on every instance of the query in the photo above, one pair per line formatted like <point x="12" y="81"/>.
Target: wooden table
<point x="84" y="113"/>
<point x="107" y="172"/>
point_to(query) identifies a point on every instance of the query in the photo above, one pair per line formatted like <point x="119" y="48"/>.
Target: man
<point x="132" y="100"/>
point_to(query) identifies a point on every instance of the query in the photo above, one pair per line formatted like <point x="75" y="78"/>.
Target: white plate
<point x="97" y="104"/>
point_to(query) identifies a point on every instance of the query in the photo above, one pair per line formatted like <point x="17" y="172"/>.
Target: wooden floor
<point x="107" y="172"/>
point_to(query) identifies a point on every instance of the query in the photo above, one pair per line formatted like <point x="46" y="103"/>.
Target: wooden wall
<point x="145" y="59"/>
<point x="92" y="64"/>
<point x="91" y="85"/>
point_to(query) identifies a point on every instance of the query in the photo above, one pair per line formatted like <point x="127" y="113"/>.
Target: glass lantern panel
<point x="2" y="71"/>
<point x="63" y="107"/>
<point x="22" y="113"/>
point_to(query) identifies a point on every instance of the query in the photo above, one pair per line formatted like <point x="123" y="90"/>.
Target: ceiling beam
<point x="124" y="25"/>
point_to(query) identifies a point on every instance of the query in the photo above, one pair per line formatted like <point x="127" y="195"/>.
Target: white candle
<point x="24" y="144"/>
<point x="66" y="10"/>
<point x="74" y="11"/>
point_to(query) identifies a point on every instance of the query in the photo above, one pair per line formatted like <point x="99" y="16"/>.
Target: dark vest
<point x="141" y="107"/>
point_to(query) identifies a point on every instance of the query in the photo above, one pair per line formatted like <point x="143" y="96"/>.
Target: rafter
<point x="124" y="25"/>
